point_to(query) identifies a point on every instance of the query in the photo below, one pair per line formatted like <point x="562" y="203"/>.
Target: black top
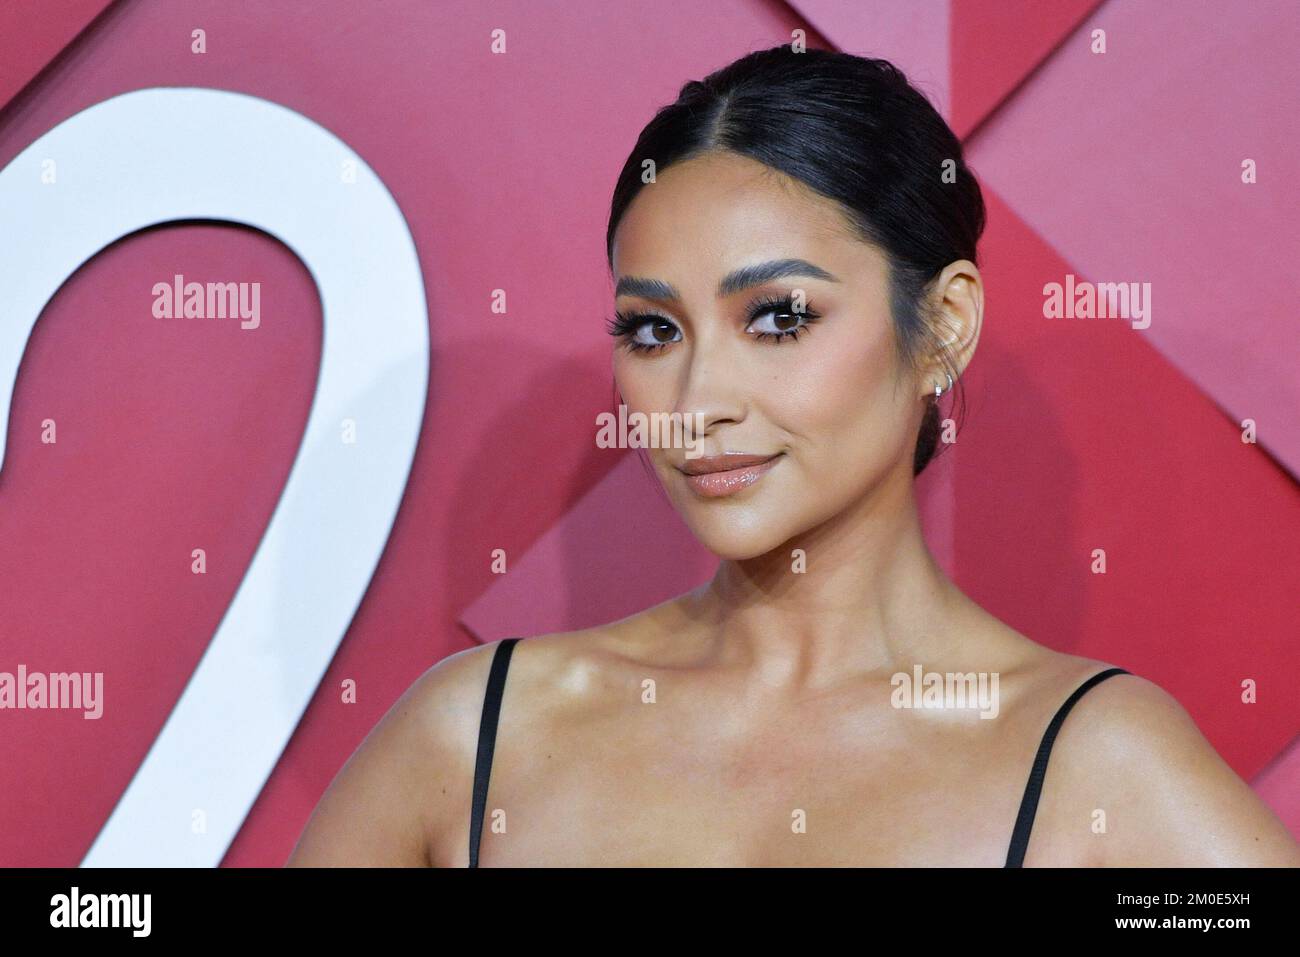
<point x="487" y="734"/>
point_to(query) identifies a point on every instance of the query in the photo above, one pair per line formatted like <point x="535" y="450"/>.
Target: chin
<point x="737" y="537"/>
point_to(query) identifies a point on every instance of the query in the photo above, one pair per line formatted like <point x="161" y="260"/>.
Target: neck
<point x="871" y="600"/>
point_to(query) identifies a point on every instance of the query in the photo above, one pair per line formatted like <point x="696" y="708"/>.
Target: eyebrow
<point x="732" y="283"/>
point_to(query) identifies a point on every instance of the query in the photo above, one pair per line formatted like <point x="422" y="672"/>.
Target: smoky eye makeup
<point x="771" y="318"/>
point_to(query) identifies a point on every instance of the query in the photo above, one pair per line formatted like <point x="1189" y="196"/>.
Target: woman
<point x="794" y="248"/>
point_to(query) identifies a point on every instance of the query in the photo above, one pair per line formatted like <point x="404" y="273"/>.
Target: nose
<point x="712" y="388"/>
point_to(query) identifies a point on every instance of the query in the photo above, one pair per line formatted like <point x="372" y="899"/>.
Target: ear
<point x="958" y="307"/>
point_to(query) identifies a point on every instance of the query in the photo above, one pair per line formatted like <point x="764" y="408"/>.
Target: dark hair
<point x="854" y="130"/>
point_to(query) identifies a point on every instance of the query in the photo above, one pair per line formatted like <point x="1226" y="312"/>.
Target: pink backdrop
<point x="1123" y="166"/>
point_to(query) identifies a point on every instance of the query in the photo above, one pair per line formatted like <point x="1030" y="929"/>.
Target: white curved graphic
<point x="165" y="154"/>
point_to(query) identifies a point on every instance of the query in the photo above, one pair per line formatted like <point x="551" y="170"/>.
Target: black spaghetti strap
<point x="1029" y="803"/>
<point x="487" y="736"/>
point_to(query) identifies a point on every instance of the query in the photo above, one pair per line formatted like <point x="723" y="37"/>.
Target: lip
<point x="717" y="475"/>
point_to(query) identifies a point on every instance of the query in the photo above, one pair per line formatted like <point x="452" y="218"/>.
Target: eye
<point x="777" y="319"/>
<point x="643" y="331"/>
<point x="656" y="331"/>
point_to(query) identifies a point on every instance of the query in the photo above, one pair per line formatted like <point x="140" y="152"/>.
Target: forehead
<point x="705" y="216"/>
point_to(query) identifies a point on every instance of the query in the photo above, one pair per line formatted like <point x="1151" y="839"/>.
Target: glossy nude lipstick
<point x="717" y="475"/>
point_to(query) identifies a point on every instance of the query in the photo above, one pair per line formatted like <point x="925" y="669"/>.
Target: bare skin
<point x="750" y="722"/>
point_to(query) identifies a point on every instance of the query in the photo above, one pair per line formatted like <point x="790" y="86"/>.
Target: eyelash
<point x="624" y="325"/>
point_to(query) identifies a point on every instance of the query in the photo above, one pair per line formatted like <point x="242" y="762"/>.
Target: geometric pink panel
<point x="995" y="46"/>
<point x="34" y="34"/>
<point x="621" y="548"/>
<point x="1129" y="163"/>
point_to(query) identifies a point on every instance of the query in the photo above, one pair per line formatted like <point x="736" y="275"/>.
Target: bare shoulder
<point x="555" y="676"/>
<point x="1134" y="783"/>
<point x="404" y="797"/>
<point x="556" y="671"/>
<point x="408" y="781"/>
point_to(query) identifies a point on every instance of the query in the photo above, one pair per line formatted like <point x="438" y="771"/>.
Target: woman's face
<point x="831" y="408"/>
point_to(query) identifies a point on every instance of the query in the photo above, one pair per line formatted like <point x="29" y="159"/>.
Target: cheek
<point x="845" y="404"/>
<point x="643" y="385"/>
<point x="646" y="387"/>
